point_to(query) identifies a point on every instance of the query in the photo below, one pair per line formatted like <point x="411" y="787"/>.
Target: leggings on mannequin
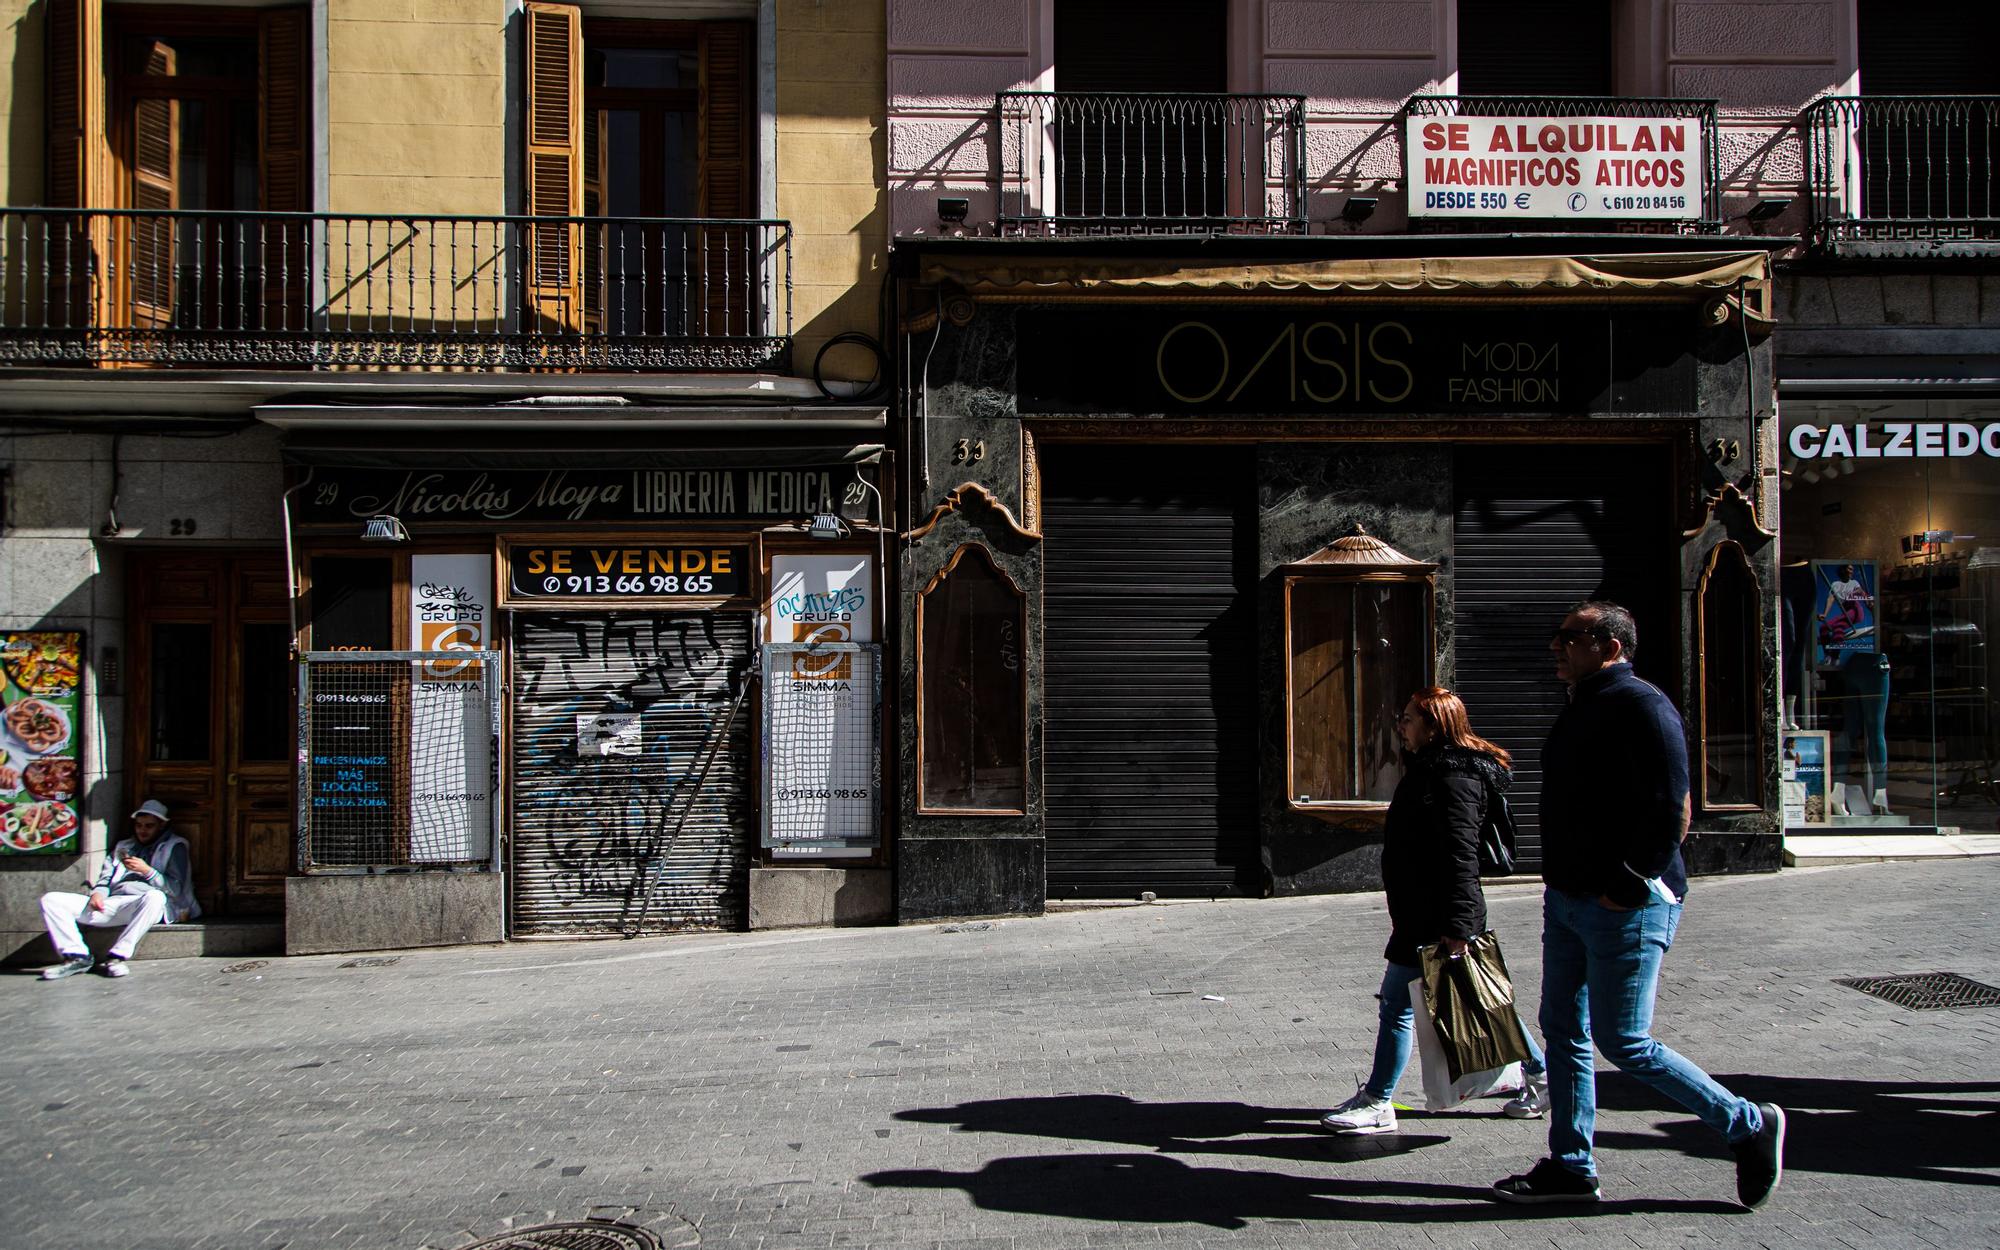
<point x="1865" y="717"/>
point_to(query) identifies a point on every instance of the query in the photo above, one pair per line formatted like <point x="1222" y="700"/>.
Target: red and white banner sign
<point x="1560" y="167"/>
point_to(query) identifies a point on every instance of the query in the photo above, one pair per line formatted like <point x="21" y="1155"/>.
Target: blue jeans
<point x="1600" y="969"/>
<point x="1393" y="1035"/>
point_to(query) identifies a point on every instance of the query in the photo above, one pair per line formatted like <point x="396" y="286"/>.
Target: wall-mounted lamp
<point x="827" y="525"/>
<point x="1359" y="208"/>
<point x="1766" y="209"/>
<point x="953" y="209"/>
<point x="384" y="529"/>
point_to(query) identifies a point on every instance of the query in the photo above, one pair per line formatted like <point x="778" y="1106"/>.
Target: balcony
<point x="1904" y="176"/>
<point x="329" y="292"/>
<point x="1122" y="164"/>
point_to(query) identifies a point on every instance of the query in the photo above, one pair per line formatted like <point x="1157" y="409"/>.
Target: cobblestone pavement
<point x="1063" y="1081"/>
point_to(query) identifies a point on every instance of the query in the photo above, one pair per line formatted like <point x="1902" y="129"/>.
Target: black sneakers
<point x="1760" y="1160"/>
<point x="1547" y="1181"/>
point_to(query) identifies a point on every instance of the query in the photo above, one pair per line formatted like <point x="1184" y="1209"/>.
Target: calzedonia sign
<point x="507" y="496"/>
<point x="1554" y="167"/>
<point x="1350" y="360"/>
<point x="1895" y="440"/>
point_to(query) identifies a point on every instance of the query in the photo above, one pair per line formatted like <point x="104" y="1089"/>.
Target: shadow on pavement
<point x="1153" y="1188"/>
<point x="1913" y="1130"/>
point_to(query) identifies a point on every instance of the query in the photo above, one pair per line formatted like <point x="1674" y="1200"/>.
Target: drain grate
<point x="1926" y="991"/>
<point x="573" y="1235"/>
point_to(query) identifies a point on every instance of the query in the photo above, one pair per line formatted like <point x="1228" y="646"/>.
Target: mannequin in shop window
<point x="1864" y="736"/>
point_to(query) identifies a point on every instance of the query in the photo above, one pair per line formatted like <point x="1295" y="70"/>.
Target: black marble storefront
<point x="1350" y="424"/>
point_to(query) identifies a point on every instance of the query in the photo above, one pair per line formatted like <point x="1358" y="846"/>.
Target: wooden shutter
<point x="595" y="137"/>
<point x="284" y="182"/>
<point x="77" y="160"/>
<point x="725" y="258"/>
<point x="555" y="163"/>
<point x="149" y="249"/>
<point x="75" y="85"/>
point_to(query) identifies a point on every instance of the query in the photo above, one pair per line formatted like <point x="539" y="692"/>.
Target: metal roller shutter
<point x="585" y="826"/>
<point x="1531" y="538"/>
<point x="1150" y="672"/>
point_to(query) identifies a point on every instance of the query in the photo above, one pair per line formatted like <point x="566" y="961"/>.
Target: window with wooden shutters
<point x="148" y="261"/>
<point x="729" y="265"/>
<point x="74" y="83"/>
<point x="555" y="164"/>
<point x="284" y="131"/>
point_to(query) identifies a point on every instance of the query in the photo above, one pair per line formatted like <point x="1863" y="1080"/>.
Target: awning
<point x="1658" y="273"/>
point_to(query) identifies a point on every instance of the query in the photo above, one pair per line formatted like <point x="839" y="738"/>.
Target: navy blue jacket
<point x="1430" y="847"/>
<point x="1614" y="780"/>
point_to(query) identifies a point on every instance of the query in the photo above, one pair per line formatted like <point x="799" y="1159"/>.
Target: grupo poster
<point x="1554" y="167"/>
<point x="822" y="799"/>
<point x="40" y="767"/>
<point x="451" y="787"/>
<point x="1844" y="612"/>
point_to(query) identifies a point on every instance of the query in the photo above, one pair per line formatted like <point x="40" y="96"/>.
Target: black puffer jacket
<point x="1430" y="849"/>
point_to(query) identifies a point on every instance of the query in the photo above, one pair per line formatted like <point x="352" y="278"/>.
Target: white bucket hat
<point x="153" y="807"/>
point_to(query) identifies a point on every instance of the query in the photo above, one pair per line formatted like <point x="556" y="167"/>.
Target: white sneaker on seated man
<point x="146" y="880"/>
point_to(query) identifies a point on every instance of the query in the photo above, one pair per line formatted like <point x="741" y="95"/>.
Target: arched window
<point x="972" y="690"/>
<point x="1732" y="682"/>
<point x="1358" y="642"/>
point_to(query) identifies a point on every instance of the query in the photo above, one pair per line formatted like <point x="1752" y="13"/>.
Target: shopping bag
<point x="1471" y="1005"/>
<point x="1441" y="1091"/>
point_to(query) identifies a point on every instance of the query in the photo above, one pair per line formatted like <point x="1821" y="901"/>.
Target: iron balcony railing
<point x="1704" y="111"/>
<point x="1119" y="163"/>
<point x="334" y="291"/>
<point x="1903" y="173"/>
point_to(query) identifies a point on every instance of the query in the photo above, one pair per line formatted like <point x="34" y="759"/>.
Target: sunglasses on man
<point x="1595" y="633"/>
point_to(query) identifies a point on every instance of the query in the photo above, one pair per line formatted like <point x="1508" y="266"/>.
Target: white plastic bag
<point x="1441" y="1093"/>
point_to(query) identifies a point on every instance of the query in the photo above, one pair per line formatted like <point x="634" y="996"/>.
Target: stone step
<point x="1820" y="850"/>
<point x="168" y="941"/>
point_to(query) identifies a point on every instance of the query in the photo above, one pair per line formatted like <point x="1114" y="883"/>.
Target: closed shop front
<point x="625" y="610"/>
<point x="614" y="716"/>
<point x="1244" y="512"/>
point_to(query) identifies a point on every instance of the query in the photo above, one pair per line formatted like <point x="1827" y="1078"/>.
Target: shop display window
<point x="1890" y="592"/>
<point x="1732" y="683"/>
<point x="972" y="692"/>
<point x="351" y="603"/>
<point x="1358" y="642"/>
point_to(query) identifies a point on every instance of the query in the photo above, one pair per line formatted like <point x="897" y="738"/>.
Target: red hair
<point x="1445" y="713"/>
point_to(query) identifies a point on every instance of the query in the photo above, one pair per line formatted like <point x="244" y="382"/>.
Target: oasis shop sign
<point x="1895" y="440"/>
<point x="1561" y="167"/>
<point x="1355" y="359"/>
<point x="515" y="495"/>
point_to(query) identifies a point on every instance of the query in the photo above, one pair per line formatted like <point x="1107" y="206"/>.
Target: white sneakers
<point x="1361" y="1114"/>
<point x="1532" y="1103"/>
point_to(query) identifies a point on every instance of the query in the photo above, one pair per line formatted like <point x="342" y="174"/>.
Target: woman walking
<point x="1430" y="868"/>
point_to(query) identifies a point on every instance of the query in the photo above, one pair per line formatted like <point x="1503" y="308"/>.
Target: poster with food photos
<point x="40" y="756"/>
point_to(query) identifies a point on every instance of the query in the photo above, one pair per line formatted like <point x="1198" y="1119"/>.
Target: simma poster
<point x="40" y="770"/>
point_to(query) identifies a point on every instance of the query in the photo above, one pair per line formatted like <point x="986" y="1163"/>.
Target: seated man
<point x="145" y="880"/>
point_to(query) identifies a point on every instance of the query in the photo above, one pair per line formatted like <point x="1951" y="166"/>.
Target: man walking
<point x="1614" y="809"/>
<point x="145" y="880"/>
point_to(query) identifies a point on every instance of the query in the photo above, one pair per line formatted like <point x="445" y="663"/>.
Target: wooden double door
<point x="211" y="725"/>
